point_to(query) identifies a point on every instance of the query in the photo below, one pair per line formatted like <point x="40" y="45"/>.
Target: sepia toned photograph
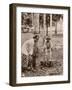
<point x="41" y="44"/>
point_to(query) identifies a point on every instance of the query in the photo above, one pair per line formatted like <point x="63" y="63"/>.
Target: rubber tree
<point x="36" y="22"/>
<point x="47" y="23"/>
<point x="56" y="18"/>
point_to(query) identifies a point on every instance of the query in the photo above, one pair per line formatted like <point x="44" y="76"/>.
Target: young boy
<point x="35" y="51"/>
<point x="48" y="48"/>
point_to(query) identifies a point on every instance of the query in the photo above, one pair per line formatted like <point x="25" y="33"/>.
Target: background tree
<point x="56" y="18"/>
<point x="36" y="22"/>
<point x="47" y="22"/>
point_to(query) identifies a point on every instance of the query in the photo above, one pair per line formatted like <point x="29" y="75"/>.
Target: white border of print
<point x="63" y="77"/>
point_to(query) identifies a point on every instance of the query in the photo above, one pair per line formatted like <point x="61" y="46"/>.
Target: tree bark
<point x="51" y="25"/>
<point x="36" y="22"/>
<point x="44" y="24"/>
<point x="56" y="28"/>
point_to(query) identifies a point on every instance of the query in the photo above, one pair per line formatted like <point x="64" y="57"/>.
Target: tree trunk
<point x="36" y="23"/>
<point x="51" y="35"/>
<point x="51" y="25"/>
<point x="44" y="24"/>
<point x="56" y="28"/>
